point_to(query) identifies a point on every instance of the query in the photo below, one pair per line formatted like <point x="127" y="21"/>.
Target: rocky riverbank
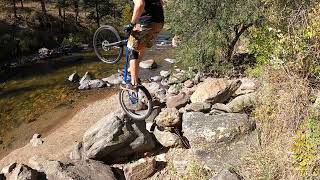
<point x="200" y="127"/>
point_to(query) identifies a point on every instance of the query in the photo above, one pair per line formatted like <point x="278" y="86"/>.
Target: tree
<point x="43" y="6"/>
<point x="76" y="8"/>
<point x="14" y="8"/>
<point x="211" y="29"/>
<point x="99" y="9"/>
<point x="21" y="2"/>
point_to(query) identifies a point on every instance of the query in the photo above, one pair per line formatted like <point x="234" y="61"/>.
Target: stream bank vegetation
<point x="277" y="42"/>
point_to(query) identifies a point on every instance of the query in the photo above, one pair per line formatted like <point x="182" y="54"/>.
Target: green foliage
<point x="305" y="148"/>
<point x="126" y="14"/>
<point x="210" y="29"/>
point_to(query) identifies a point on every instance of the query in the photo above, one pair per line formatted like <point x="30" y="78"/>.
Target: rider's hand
<point x="128" y="28"/>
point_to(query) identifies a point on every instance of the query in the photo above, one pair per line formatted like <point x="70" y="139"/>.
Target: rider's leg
<point x="134" y="65"/>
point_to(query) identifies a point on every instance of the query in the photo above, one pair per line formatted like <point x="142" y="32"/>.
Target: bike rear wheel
<point x="103" y="37"/>
<point x="136" y="104"/>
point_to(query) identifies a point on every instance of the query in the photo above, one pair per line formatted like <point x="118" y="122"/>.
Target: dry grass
<point x="282" y="107"/>
<point x="282" y="104"/>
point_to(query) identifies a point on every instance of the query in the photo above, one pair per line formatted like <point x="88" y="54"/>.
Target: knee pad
<point x="134" y="54"/>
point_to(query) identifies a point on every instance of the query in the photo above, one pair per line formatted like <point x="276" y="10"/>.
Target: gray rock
<point x="215" y="90"/>
<point x="155" y="112"/>
<point x="115" y="137"/>
<point x="91" y="84"/>
<point x="77" y="170"/>
<point x="169" y="117"/>
<point x="74" y="77"/>
<point x="221" y="107"/>
<point x="44" y="52"/>
<point x="156" y="78"/>
<point x="165" y="74"/>
<point x="201" y="129"/>
<point x="141" y="169"/>
<point x="23" y="172"/>
<point x="36" y="140"/>
<point x="177" y="101"/>
<point x="148" y="64"/>
<point x="227" y="174"/>
<point x="198" y="107"/>
<point x="248" y="85"/>
<point x="86" y="77"/>
<point x="242" y="102"/>
<point x="114" y="79"/>
<point x="167" y="138"/>
<point x="188" y="84"/>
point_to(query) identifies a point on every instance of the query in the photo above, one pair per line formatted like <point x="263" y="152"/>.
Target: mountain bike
<point x="108" y="46"/>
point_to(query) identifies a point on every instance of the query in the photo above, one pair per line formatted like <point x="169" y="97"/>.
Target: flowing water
<point x="37" y="98"/>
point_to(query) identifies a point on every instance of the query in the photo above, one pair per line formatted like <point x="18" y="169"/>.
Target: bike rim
<point x="136" y="105"/>
<point x="102" y="39"/>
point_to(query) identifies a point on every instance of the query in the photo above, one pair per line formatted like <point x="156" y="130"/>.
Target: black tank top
<point x="153" y="12"/>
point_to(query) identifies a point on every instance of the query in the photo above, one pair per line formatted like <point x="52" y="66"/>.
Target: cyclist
<point x="146" y="23"/>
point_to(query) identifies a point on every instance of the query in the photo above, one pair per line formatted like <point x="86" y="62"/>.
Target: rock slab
<point x="205" y="130"/>
<point x="114" y="137"/>
<point x="77" y="170"/>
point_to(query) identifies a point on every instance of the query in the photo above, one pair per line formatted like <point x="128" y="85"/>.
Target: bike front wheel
<point x="136" y="104"/>
<point x="103" y="39"/>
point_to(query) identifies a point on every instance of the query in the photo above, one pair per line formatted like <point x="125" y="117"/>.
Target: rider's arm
<point x="137" y="11"/>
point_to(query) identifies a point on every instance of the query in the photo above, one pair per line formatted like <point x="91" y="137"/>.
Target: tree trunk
<point x="97" y="13"/>
<point x="14" y="9"/>
<point x="76" y="9"/>
<point x="43" y="6"/>
<point x="232" y="44"/>
<point x="21" y="2"/>
<point x="59" y="10"/>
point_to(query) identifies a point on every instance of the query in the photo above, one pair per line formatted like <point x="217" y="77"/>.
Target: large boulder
<point x="242" y="102"/>
<point x="169" y="117"/>
<point x="215" y="90"/>
<point x="88" y="170"/>
<point x="115" y="137"/>
<point x="201" y="129"/>
<point x="177" y="101"/>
